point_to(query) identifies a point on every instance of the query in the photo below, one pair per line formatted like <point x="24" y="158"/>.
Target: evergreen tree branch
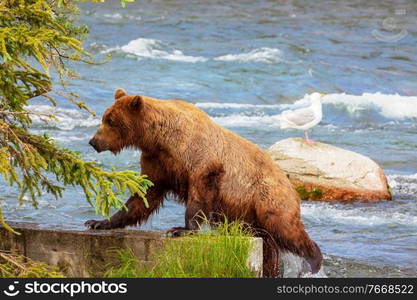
<point x="38" y="37"/>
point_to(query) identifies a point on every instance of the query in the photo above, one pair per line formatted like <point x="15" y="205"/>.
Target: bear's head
<point x="118" y="124"/>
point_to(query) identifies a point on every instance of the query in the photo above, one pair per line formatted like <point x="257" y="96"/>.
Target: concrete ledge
<point x="86" y="253"/>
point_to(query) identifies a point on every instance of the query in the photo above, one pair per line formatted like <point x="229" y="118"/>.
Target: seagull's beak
<point x="322" y="95"/>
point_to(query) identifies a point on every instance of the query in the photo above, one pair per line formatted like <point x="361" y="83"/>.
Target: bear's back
<point x="220" y="138"/>
<point x="230" y="148"/>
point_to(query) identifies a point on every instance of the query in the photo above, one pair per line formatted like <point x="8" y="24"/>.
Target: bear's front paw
<point x="93" y="224"/>
<point x="178" y="232"/>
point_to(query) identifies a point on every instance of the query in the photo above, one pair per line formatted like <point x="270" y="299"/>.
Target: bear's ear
<point x="135" y="103"/>
<point x="119" y="93"/>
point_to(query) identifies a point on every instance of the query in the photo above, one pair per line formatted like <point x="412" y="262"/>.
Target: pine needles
<point x="15" y="266"/>
<point x="38" y="37"/>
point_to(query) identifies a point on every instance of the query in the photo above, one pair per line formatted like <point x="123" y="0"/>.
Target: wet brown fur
<point x="210" y="169"/>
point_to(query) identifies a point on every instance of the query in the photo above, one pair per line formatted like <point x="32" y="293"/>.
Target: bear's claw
<point x="178" y="231"/>
<point x="94" y="224"/>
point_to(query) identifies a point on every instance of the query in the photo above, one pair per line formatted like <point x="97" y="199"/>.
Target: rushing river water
<point x="244" y="62"/>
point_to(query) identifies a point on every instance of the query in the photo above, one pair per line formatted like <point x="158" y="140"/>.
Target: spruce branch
<point x="38" y="38"/>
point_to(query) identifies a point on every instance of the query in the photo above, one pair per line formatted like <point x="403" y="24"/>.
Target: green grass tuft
<point x="219" y="253"/>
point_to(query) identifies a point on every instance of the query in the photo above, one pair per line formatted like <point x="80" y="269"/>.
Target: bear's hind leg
<point x="271" y="254"/>
<point x="289" y="234"/>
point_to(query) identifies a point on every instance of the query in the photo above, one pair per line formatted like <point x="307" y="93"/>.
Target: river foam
<point x="385" y="107"/>
<point x="362" y="215"/>
<point x="66" y="118"/>
<point x="403" y="184"/>
<point x="148" y="48"/>
<point x="264" y="55"/>
<point x="392" y="106"/>
<point x="154" y="49"/>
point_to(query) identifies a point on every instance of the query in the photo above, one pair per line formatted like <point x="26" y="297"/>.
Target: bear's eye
<point x="110" y="122"/>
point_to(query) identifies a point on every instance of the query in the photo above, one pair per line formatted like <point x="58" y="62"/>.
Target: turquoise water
<point x="244" y="62"/>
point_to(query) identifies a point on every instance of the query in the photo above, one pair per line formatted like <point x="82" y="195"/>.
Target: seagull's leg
<point x="310" y="142"/>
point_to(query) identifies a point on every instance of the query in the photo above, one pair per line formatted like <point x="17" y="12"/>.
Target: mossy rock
<point x="304" y="195"/>
<point x="315" y="194"/>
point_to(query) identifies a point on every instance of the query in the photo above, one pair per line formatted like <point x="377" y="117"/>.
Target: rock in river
<point x="324" y="172"/>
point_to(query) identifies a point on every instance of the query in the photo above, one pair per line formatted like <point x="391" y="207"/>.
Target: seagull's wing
<point x="299" y="117"/>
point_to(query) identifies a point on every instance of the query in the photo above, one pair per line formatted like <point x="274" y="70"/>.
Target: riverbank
<point x="92" y="253"/>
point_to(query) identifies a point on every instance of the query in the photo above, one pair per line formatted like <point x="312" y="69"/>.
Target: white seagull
<point x="303" y="118"/>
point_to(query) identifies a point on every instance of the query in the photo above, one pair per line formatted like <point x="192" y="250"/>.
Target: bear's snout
<point x="94" y="144"/>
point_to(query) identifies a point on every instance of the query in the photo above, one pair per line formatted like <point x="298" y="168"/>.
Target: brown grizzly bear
<point x="210" y="169"/>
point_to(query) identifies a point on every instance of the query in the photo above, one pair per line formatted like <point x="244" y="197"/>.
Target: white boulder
<point x="325" y="173"/>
